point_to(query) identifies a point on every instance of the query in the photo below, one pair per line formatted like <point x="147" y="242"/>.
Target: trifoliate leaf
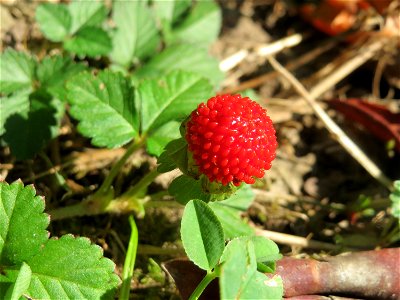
<point x="201" y="27"/>
<point x="182" y="57"/>
<point x="86" y="13"/>
<point x="161" y="137"/>
<point x="202" y="235"/>
<point x="22" y="223"/>
<point x="17" y="71"/>
<point x="52" y="72"/>
<point x="105" y="106"/>
<point x="71" y="268"/>
<point x="239" y="276"/>
<point x="90" y="41"/>
<point x="171" y="97"/>
<point x="239" y="266"/>
<point x="54" y="20"/>
<point x="136" y="35"/>
<point x="29" y="131"/>
<point x="38" y="268"/>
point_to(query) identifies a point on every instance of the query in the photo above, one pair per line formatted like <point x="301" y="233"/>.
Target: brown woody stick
<point x="367" y="274"/>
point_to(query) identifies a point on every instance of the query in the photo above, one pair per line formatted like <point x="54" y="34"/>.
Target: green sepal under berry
<point x="176" y="155"/>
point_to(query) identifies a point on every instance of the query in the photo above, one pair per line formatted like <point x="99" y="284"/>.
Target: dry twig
<point x="333" y="128"/>
<point x="292" y="240"/>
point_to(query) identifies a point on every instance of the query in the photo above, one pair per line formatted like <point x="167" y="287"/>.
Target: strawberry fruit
<point x="232" y="139"/>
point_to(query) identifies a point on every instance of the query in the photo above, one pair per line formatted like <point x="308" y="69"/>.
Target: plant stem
<point x="141" y="184"/>
<point x="211" y="275"/>
<point x="75" y="210"/>
<point x="116" y="168"/>
<point x="129" y="263"/>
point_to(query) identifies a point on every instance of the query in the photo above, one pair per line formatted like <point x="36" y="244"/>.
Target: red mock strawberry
<point x="232" y="139"/>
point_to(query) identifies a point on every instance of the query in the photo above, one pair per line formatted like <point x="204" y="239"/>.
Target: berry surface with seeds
<point x="232" y="139"/>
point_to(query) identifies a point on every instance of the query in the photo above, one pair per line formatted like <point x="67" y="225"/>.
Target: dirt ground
<point x="315" y="189"/>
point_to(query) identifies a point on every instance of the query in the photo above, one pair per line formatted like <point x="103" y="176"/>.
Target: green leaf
<point x="175" y="155"/>
<point x="266" y="251"/>
<point x="395" y="198"/>
<point x="86" y="13"/>
<point x="182" y="57"/>
<point x="240" y="200"/>
<point x="228" y="212"/>
<point x="16" y="103"/>
<point x="21" y="284"/>
<point x="52" y="72"/>
<point x="231" y="222"/>
<point x="71" y="268"/>
<point x="29" y="131"/>
<point x="263" y="287"/>
<point x="171" y="10"/>
<point x="162" y="136"/>
<point x="171" y="97"/>
<point x="105" y="107"/>
<point x="17" y="71"/>
<point x="202" y="235"/>
<point x="165" y="163"/>
<point x="239" y="276"/>
<point x="185" y="188"/>
<point x="90" y="41"/>
<point x="136" y="35"/>
<point x="54" y="20"/>
<point x="238" y="267"/>
<point x="22" y="223"/>
<point x="201" y="27"/>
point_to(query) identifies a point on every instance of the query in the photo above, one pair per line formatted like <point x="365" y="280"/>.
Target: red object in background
<point x="375" y="118"/>
<point x="338" y="16"/>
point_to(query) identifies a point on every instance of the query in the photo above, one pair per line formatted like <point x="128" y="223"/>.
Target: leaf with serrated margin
<point x="86" y="13"/>
<point x="54" y="20"/>
<point x="29" y="131"/>
<point x="182" y="57"/>
<point x="19" y="242"/>
<point x="90" y="41"/>
<point x="17" y="71"/>
<point x="17" y="103"/>
<point x="71" y="268"/>
<point x="52" y="72"/>
<point x="161" y="137"/>
<point x="105" y="107"/>
<point x="136" y="35"/>
<point x="171" y="97"/>
<point x="202" y="25"/>
<point x="202" y="234"/>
